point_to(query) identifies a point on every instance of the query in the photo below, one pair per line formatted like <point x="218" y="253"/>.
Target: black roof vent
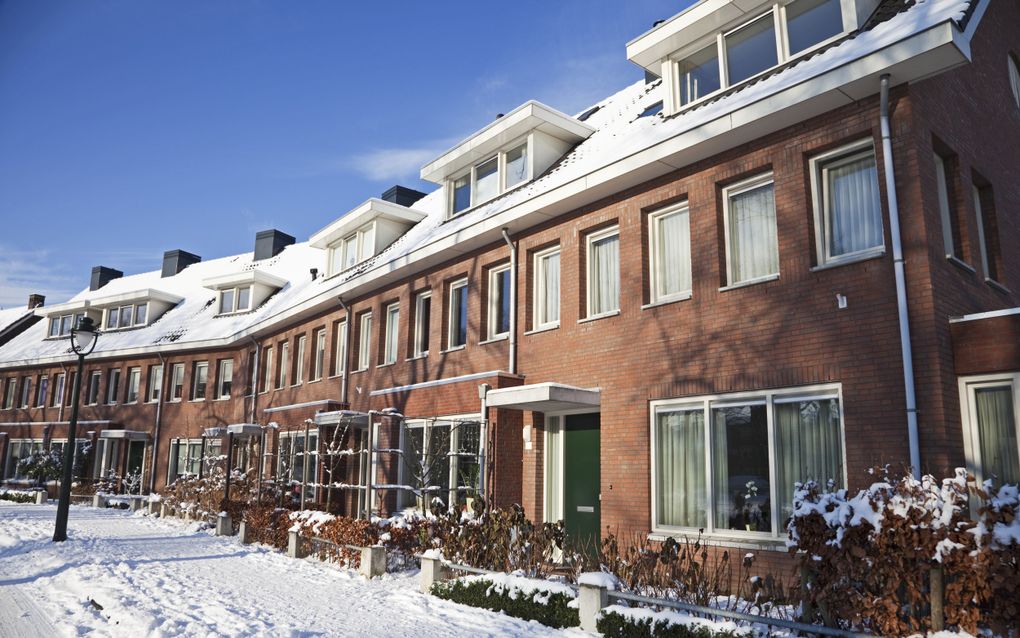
<point x="174" y="261"/>
<point x="269" y="243"/>
<point x="402" y="195"/>
<point x="101" y="275"/>
<point x="592" y="111"/>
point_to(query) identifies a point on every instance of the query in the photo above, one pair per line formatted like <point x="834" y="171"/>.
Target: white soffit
<point x="129" y="435"/>
<point x="244" y="429"/>
<point x="345" y="417"/>
<point x="544" y="397"/>
<point x="371" y="209"/>
<point x="148" y="294"/>
<point x="254" y="276"/>
<point x="528" y="117"/>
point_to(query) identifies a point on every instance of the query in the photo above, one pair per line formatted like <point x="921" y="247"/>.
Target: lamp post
<point x="83" y="342"/>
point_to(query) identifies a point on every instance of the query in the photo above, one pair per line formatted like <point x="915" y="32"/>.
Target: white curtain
<point x="721" y="470"/>
<point x="808" y="446"/>
<point x="997" y="431"/>
<point x="551" y="288"/>
<point x="855" y="212"/>
<point x="605" y="275"/>
<point x="674" y="267"/>
<point x="682" y="494"/>
<point x="553" y="470"/>
<point x="753" y="242"/>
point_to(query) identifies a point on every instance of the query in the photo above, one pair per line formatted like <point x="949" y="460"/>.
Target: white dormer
<point x="717" y="44"/>
<point x="507" y="153"/>
<point x="133" y="309"/>
<point x="242" y="291"/>
<point x="62" y="317"/>
<point x="363" y="232"/>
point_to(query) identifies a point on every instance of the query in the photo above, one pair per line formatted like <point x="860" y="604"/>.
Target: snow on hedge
<point x="516" y="585"/>
<point x="675" y="618"/>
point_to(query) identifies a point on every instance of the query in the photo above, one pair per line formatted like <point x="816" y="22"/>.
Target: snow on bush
<point x="618" y="621"/>
<point x="551" y="603"/>
<point x="867" y="557"/>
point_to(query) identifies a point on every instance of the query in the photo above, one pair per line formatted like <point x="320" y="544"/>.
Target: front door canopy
<point x="130" y="435"/>
<point x="358" y="420"/>
<point x="244" y="430"/>
<point x="545" y="397"/>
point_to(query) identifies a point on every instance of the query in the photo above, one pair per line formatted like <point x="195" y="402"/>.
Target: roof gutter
<point x="512" y="363"/>
<point x="906" y="351"/>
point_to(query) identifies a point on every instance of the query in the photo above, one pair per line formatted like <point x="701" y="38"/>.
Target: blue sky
<point x="131" y="127"/>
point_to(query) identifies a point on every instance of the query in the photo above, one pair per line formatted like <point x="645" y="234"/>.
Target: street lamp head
<point x="83" y="337"/>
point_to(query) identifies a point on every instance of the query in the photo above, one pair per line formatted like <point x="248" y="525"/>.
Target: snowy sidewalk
<point x="165" y="578"/>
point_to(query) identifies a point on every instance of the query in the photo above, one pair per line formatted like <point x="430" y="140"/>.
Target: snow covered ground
<point x="166" y="578"/>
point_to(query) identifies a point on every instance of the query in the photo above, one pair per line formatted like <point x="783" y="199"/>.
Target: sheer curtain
<point x="674" y="267"/>
<point x="720" y="470"/>
<point x="682" y="495"/>
<point x="997" y="431"/>
<point x="553" y="469"/>
<point x="551" y="288"/>
<point x="753" y="242"/>
<point x="808" y="446"/>
<point x="605" y="275"/>
<point x="855" y="210"/>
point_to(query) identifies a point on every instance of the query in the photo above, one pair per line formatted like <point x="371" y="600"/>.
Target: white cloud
<point x="387" y="164"/>
<point x="25" y="272"/>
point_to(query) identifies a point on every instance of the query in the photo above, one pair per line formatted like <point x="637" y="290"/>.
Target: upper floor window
<point x="267" y="375"/>
<point x="123" y="317"/>
<point x="547" y="288"/>
<point x="61" y="326"/>
<point x="92" y="391"/>
<point x="58" y="389"/>
<point x="177" y="382"/>
<point x="946" y="184"/>
<point x="987" y="231"/>
<point x="42" y="387"/>
<point x="669" y="239"/>
<point x="320" y="354"/>
<point x="353" y="249"/>
<point x="1014" y="77"/>
<point x="848" y="208"/>
<point x="365" y="341"/>
<point x="133" y="385"/>
<point x="489" y="178"/>
<point x="26" y="391"/>
<point x="155" y="383"/>
<point x="281" y="381"/>
<point x="235" y="300"/>
<point x="751" y="49"/>
<point x="112" y="385"/>
<point x="603" y="283"/>
<point x="199" y="380"/>
<point x="224" y="378"/>
<point x="9" y="393"/>
<point x="750" y="227"/>
<point x="499" y="302"/>
<point x="809" y="22"/>
<point x="340" y="354"/>
<point x="392" y="334"/>
<point x="422" y="323"/>
<point x="457" y="315"/>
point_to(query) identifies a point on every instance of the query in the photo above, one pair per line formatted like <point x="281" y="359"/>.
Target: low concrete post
<point x="224" y="525"/>
<point x="41" y="497"/>
<point x="938" y="617"/>
<point x="244" y="532"/>
<point x="373" y="561"/>
<point x="155" y="508"/>
<point x="432" y="571"/>
<point x="137" y="504"/>
<point x="591" y="600"/>
<point x="294" y="545"/>
<point x="98" y="500"/>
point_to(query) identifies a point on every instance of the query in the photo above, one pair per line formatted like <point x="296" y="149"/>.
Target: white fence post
<point x="432" y="571"/>
<point x="591" y="600"/>
<point x="373" y="561"/>
<point x="224" y="525"/>
<point x="41" y="497"/>
<point x="155" y="508"/>
<point x="294" y="545"/>
<point x="98" y="500"/>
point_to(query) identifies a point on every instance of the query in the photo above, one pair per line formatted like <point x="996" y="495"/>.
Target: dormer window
<point x="235" y="300"/>
<point x="486" y="180"/>
<point x="242" y="291"/>
<point x="60" y="326"/>
<point x="123" y="317"/>
<point x="353" y="249"/>
<point x="363" y="232"/>
<point x="62" y="318"/>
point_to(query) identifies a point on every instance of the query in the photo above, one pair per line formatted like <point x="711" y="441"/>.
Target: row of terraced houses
<point x="789" y="252"/>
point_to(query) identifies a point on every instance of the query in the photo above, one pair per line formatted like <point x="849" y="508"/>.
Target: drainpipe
<point x="513" y="302"/>
<point x="159" y="422"/>
<point x="347" y="354"/>
<point x="901" y="285"/>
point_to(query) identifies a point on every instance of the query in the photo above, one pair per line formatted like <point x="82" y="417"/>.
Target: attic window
<point x="61" y="326"/>
<point x="123" y="317"/>
<point x="490" y="178"/>
<point x="654" y="109"/>
<point x="234" y="300"/>
<point x="352" y="249"/>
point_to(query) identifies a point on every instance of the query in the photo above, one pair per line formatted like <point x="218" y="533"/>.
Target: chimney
<point x="402" y="195"/>
<point x="174" y="261"/>
<point x="101" y="275"/>
<point x="36" y="301"/>
<point x="269" y="243"/>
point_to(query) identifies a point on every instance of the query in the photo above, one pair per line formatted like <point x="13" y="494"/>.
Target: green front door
<point x="581" y="480"/>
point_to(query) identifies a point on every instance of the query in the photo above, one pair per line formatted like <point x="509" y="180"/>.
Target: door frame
<point x="558" y="480"/>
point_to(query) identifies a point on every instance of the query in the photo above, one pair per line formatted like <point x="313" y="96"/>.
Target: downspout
<point x="159" y="422"/>
<point x="513" y="302"/>
<point x="901" y="285"/>
<point x="347" y="353"/>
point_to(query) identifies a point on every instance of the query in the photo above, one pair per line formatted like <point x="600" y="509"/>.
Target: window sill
<point x="997" y="286"/>
<point x="604" y="315"/>
<point x="418" y="356"/>
<point x="386" y="365"/>
<point x="359" y="370"/>
<point x="536" y="331"/>
<point x="961" y="264"/>
<point x="453" y="349"/>
<point x="222" y="399"/>
<point x="862" y="256"/>
<point x="729" y="540"/>
<point x="174" y="401"/>
<point x="502" y="337"/>
<point x="665" y="302"/>
<point x="337" y="376"/>
<point x="196" y="400"/>
<point x="750" y="282"/>
<point x="296" y="385"/>
<point x="310" y="381"/>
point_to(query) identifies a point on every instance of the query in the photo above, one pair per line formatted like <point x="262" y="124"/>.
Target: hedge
<point x="555" y="611"/>
<point x="617" y="625"/>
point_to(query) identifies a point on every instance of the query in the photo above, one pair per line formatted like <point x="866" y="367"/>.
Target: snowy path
<point x="163" y="578"/>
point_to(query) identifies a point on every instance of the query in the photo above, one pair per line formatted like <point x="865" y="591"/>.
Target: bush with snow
<point x="548" y="602"/>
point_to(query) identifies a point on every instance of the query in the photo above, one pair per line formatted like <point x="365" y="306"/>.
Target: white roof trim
<point x="544" y="397"/>
<point x="254" y="276"/>
<point x="68" y="307"/>
<point x="363" y="214"/>
<point x="147" y="294"/>
<point x="522" y="120"/>
<point x="985" y="315"/>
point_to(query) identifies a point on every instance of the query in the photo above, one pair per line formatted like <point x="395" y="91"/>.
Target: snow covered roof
<point x="909" y="41"/>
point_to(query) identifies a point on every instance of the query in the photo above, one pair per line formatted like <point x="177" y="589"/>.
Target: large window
<point x="547" y="288"/>
<point x="123" y="317"/>
<point x="134" y="382"/>
<point x="17" y="450"/>
<point x="809" y="22"/>
<point x="490" y="177"/>
<point x="199" y="380"/>
<point x="441" y="458"/>
<point x="392" y="334"/>
<point x="751" y="238"/>
<point x="297" y="464"/>
<point x="112" y="385"/>
<point x="669" y="238"/>
<point x="365" y="341"/>
<point x="499" y="302"/>
<point x="187" y="455"/>
<point x="422" y="323"/>
<point x="848" y="208"/>
<point x="60" y="326"/>
<point x="456" y="335"/>
<point x="728" y="464"/>
<point x="224" y="378"/>
<point x="991" y="406"/>
<point x="699" y="74"/>
<point x="603" y="272"/>
<point x="320" y="354"/>
<point x="751" y="49"/>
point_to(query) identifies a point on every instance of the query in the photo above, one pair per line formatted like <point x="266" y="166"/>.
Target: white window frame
<point x="175" y="369"/>
<point x="41" y="394"/>
<point x="818" y="167"/>
<point x="968" y="412"/>
<point x="95" y="376"/>
<point x="299" y="359"/>
<point x="452" y="318"/>
<point x="363" y="243"/>
<point x="112" y="386"/>
<point x="313" y="464"/>
<point x="155" y="389"/>
<point x="736" y="189"/>
<point x="59" y="386"/>
<point x="942" y="179"/>
<point x="707" y="403"/>
<point x="134" y="385"/>
<point x="117" y="311"/>
<point x="590" y="239"/>
<point x="221" y="365"/>
<point x="421" y="336"/>
<point x="283" y="375"/>
<point x="235" y="305"/>
<point x="340" y="349"/>
<point x="982" y="240"/>
<point x="539" y="290"/>
<point x="454" y="422"/>
<point x="654" y="258"/>
<point x="501" y="175"/>
<point x="26" y="392"/>
<point x="364" y="341"/>
<point x="319" y="362"/>
<point x="195" y="367"/>
<point x="493" y="303"/>
<point x="269" y="375"/>
<point x="391" y="338"/>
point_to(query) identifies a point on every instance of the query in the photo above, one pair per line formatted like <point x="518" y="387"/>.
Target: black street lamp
<point x="83" y="342"/>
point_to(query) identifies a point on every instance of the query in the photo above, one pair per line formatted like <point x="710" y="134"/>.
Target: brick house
<point x="710" y="285"/>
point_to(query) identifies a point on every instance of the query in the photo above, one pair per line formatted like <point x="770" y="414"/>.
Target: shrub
<point x="549" y="608"/>
<point x="618" y="625"/>
<point x="17" y="496"/>
<point x="41" y="466"/>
